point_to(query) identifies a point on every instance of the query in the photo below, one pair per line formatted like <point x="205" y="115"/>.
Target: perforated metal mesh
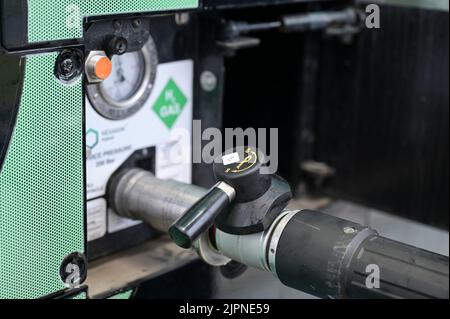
<point x="123" y="295"/>
<point x="81" y="296"/>
<point x="41" y="185"/>
<point x="50" y="20"/>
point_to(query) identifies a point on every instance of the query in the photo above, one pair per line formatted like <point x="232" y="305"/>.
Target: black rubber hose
<point x="404" y="271"/>
<point x="334" y="258"/>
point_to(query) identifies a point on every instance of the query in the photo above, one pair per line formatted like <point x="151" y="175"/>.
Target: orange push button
<point x="98" y="67"/>
<point x="103" y="68"/>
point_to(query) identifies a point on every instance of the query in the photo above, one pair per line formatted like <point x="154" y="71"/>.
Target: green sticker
<point x="170" y="104"/>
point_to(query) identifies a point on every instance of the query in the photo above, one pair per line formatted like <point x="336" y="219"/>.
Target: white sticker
<point x="230" y="159"/>
<point x="96" y="219"/>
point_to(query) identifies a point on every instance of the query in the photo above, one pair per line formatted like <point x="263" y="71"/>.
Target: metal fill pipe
<point x="138" y="194"/>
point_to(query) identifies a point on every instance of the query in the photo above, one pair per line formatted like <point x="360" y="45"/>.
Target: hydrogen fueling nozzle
<point x="319" y="254"/>
<point x="245" y="200"/>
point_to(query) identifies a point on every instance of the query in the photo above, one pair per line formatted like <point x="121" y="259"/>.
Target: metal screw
<point x="349" y="230"/>
<point x="136" y="23"/>
<point x="117" y="46"/>
<point x="67" y="66"/>
<point x="121" y="47"/>
<point x="208" y="81"/>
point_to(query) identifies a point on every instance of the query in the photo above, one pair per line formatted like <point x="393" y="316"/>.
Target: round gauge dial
<point x="128" y="87"/>
<point x="126" y="77"/>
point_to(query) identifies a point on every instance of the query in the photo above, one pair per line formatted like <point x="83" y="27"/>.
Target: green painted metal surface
<point x="123" y="295"/>
<point x="81" y="296"/>
<point x="50" y="20"/>
<point x="42" y="184"/>
<point x="42" y="180"/>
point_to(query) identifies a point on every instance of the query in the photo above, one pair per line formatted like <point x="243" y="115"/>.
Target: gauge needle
<point x="120" y="76"/>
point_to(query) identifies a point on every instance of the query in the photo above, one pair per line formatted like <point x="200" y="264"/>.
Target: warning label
<point x="170" y="104"/>
<point x="96" y="219"/>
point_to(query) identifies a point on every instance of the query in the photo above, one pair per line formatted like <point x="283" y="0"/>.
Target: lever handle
<point x="201" y="216"/>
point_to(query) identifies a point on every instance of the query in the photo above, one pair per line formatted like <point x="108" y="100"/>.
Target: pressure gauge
<point x="128" y="87"/>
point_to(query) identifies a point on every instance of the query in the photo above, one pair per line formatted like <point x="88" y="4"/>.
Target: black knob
<point x="260" y="197"/>
<point x="116" y="46"/>
<point x="246" y="200"/>
<point x="241" y="168"/>
<point x="201" y="216"/>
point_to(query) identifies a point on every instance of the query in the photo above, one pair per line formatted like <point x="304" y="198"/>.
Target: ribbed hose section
<point x="137" y="194"/>
<point x="330" y="257"/>
<point x="395" y="270"/>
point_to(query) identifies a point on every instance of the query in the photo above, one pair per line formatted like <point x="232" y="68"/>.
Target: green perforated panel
<point x="81" y="296"/>
<point x="42" y="185"/>
<point x="50" y="20"/>
<point x="123" y="295"/>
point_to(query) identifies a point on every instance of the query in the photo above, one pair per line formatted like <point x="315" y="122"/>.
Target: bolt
<point x="208" y="81"/>
<point x="67" y="66"/>
<point x="117" y="46"/>
<point x="136" y="23"/>
<point x="121" y="47"/>
<point x="349" y="230"/>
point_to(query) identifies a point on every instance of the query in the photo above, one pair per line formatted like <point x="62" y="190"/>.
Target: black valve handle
<point x="245" y="200"/>
<point x="201" y="216"/>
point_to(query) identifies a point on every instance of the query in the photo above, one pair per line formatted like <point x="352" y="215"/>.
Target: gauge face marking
<point x="126" y="78"/>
